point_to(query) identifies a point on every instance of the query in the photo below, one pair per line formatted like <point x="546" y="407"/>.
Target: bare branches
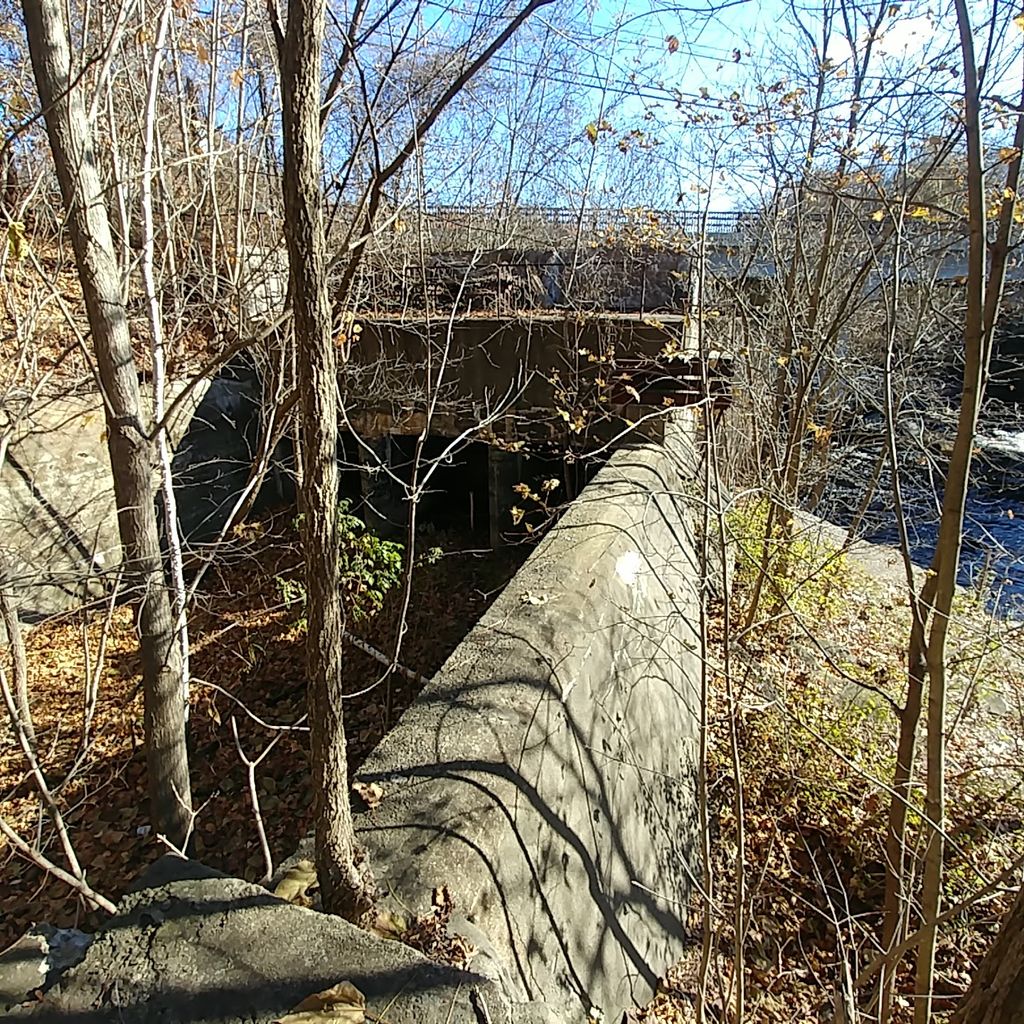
<point x="16" y="643"/>
<point x="421" y="129"/>
<point x="76" y="881"/>
<point x="349" y="40"/>
<point x="250" y="768"/>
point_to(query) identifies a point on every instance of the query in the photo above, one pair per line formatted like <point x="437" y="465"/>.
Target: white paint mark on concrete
<point x="628" y="567"/>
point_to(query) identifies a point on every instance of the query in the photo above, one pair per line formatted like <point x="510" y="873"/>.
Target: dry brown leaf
<point x="341" y="1002"/>
<point x="371" y="792"/>
<point x="389" y="925"/>
<point x="296" y="881"/>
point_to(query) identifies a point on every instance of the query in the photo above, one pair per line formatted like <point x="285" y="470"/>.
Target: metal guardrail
<point x="513" y="219"/>
<point x="692" y="221"/>
<point x="529" y="223"/>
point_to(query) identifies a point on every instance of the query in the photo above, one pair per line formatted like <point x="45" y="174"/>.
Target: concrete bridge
<point x="546" y="775"/>
<point x="502" y="260"/>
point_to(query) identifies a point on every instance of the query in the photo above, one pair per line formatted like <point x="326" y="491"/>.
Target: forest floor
<point x="809" y="707"/>
<point x="247" y="663"/>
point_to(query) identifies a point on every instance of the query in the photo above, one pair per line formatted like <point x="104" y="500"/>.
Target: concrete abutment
<point x="546" y="775"/>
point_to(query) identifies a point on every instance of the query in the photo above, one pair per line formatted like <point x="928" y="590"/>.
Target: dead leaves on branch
<point x="296" y="882"/>
<point x="430" y="933"/>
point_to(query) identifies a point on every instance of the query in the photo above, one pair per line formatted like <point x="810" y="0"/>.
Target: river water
<point x="992" y="554"/>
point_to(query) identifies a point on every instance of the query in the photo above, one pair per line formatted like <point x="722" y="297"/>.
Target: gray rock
<point x="172" y="868"/>
<point x="23" y="967"/>
<point x="36" y="959"/>
<point x="223" y="951"/>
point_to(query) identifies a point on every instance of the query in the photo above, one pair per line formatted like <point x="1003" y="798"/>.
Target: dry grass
<point x="816" y="731"/>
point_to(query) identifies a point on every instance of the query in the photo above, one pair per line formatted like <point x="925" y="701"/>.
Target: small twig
<point x="94" y="672"/>
<point x="16" y="642"/>
<point x="383" y="659"/>
<point x="476" y="998"/>
<point x="78" y="884"/>
<point x="296" y="726"/>
<point x="193" y="813"/>
<point x="254" y="798"/>
<point x="32" y="761"/>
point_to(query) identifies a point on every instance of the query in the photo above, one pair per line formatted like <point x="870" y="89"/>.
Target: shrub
<point x="368" y="568"/>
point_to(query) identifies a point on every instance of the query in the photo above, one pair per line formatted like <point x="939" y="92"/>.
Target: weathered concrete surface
<point x="214" y="459"/>
<point x="36" y="959"/>
<point x="221" y="951"/>
<point x="546" y="774"/>
<point x="58" y="520"/>
<point x="529" y="365"/>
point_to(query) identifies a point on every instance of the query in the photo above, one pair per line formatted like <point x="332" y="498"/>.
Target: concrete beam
<point x="504" y="471"/>
<point x="547" y="774"/>
<point x="385" y="510"/>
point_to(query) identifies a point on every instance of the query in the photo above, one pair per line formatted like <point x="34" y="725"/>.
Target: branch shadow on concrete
<point x="215" y="950"/>
<point x="581" y="686"/>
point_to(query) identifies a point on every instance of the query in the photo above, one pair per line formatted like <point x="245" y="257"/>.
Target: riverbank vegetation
<point x="813" y="709"/>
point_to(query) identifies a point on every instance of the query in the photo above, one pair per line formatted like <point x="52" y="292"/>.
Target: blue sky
<point x="643" y="53"/>
<point x="630" y="63"/>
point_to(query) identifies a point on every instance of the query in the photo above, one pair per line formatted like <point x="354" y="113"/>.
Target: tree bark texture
<point x="954" y="497"/>
<point x="128" y="443"/>
<point x="996" y="995"/>
<point x="345" y="883"/>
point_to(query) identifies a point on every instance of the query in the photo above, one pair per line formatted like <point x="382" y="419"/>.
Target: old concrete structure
<point x="195" y="946"/>
<point x="546" y="774"/>
<point x="549" y="375"/>
<point x="58" y="521"/>
<point x="507" y="381"/>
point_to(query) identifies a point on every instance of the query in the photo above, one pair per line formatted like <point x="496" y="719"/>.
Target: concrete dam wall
<point x="546" y="775"/>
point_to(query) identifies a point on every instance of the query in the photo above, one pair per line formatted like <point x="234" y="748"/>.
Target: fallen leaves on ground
<point x="815" y="735"/>
<point x="42" y="292"/>
<point x="342" y="1002"/>
<point x="371" y="793"/>
<point x="430" y="934"/>
<point x="248" y="649"/>
<point x="297" y="881"/>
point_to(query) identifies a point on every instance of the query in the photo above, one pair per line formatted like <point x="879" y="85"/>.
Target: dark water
<point x="992" y="552"/>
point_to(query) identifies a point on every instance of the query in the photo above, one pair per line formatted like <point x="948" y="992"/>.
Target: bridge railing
<point x="467" y="226"/>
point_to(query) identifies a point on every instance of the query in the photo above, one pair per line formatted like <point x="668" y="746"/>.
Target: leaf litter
<point x="248" y="648"/>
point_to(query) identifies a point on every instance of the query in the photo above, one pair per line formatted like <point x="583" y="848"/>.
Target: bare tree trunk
<point x="978" y="325"/>
<point x="345" y="881"/>
<point x="996" y="995"/>
<point x="156" y="326"/>
<point x="128" y="443"/>
<point x="19" y="662"/>
<point x="895" y="912"/>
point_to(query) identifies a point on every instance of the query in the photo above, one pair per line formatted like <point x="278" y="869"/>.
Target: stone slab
<point x="213" y="950"/>
<point x="58" y="521"/>
<point x="546" y="775"/>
